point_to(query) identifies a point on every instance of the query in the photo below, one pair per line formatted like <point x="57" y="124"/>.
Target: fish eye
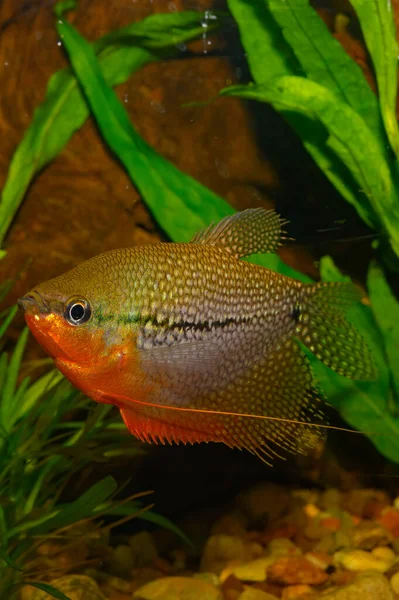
<point x="77" y="311"/>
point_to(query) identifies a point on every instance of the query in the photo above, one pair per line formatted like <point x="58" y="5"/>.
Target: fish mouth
<point x="34" y="303"/>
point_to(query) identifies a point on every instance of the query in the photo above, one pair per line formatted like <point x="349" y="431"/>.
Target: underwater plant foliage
<point x="365" y="406"/>
<point x="41" y="451"/>
<point x="317" y="80"/>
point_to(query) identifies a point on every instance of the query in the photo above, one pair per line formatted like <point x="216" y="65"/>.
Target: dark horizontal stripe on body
<point x="101" y="318"/>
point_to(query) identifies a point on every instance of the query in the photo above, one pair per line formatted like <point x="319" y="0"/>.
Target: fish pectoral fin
<point x="252" y="231"/>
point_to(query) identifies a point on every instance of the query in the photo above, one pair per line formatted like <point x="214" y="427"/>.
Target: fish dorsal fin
<point x="252" y="231"/>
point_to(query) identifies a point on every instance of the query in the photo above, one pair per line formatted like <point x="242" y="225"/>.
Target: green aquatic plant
<point x="306" y="75"/>
<point x="44" y="445"/>
<point x="279" y="49"/>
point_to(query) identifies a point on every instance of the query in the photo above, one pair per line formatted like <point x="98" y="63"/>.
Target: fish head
<point x="60" y="323"/>
<point x="74" y="317"/>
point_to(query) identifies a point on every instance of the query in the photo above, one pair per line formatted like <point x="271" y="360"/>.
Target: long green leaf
<point x="378" y="28"/>
<point x="348" y="136"/>
<point x="165" y="188"/>
<point x="385" y="308"/>
<point x="7" y="393"/>
<point x="270" y="56"/>
<point x="9" y="561"/>
<point x="64" y="109"/>
<point x="7" y="321"/>
<point x="324" y="60"/>
<point x="81" y="508"/>
<point x="49" y="589"/>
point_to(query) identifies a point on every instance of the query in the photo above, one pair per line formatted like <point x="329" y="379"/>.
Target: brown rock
<point x="220" y="550"/>
<point x="361" y="560"/>
<point x="254" y="570"/>
<point x="231" y="594"/>
<point x="232" y="583"/>
<point x="264" y="502"/>
<point x="366" y="502"/>
<point x="144" y="550"/>
<point x="369" y="586"/>
<point x="301" y="591"/>
<point x="269" y="587"/>
<point x="178" y="588"/>
<point x="233" y="523"/>
<point x="294" y="570"/>
<point x="251" y="593"/>
<point x="368" y="534"/>
<point x="113" y="594"/>
<point x="123" y="560"/>
<point x="144" y="575"/>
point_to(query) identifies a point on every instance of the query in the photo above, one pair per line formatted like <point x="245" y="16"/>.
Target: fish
<point x="193" y="344"/>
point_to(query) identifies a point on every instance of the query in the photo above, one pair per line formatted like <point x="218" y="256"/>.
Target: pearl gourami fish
<point x="193" y="344"/>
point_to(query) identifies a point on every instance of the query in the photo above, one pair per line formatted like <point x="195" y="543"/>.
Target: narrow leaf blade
<point x="49" y="589"/>
<point x="378" y="28"/>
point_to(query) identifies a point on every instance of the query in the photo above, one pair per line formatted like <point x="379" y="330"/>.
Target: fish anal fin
<point x="252" y="231"/>
<point x="271" y="409"/>
<point x="162" y="425"/>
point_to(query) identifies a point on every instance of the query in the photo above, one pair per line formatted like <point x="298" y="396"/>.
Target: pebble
<point x="122" y="561"/>
<point x="331" y="499"/>
<point x="361" y="560"/>
<point x="233" y="523"/>
<point x="251" y="593"/>
<point x="390" y="520"/>
<point x="220" y="550"/>
<point x="296" y="569"/>
<point x="231" y="594"/>
<point x="368" y="534"/>
<point x="394" y="581"/>
<point x="254" y="570"/>
<point x="144" y="549"/>
<point x="384" y="553"/>
<point x="209" y="577"/>
<point x="320" y="559"/>
<point x="301" y="591"/>
<point x="282" y="547"/>
<point x="366" y="502"/>
<point x="263" y="502"/>
<point x="368" y="586"/>
<point x="178" y="588"/>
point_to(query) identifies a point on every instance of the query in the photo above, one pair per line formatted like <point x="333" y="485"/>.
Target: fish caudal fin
<point x="252" y="231"/>
<point x="323" y="328"/>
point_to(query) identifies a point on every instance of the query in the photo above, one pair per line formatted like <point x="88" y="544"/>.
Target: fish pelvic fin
<point x="324" y="329"/>
<point x="252" y="231"/>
